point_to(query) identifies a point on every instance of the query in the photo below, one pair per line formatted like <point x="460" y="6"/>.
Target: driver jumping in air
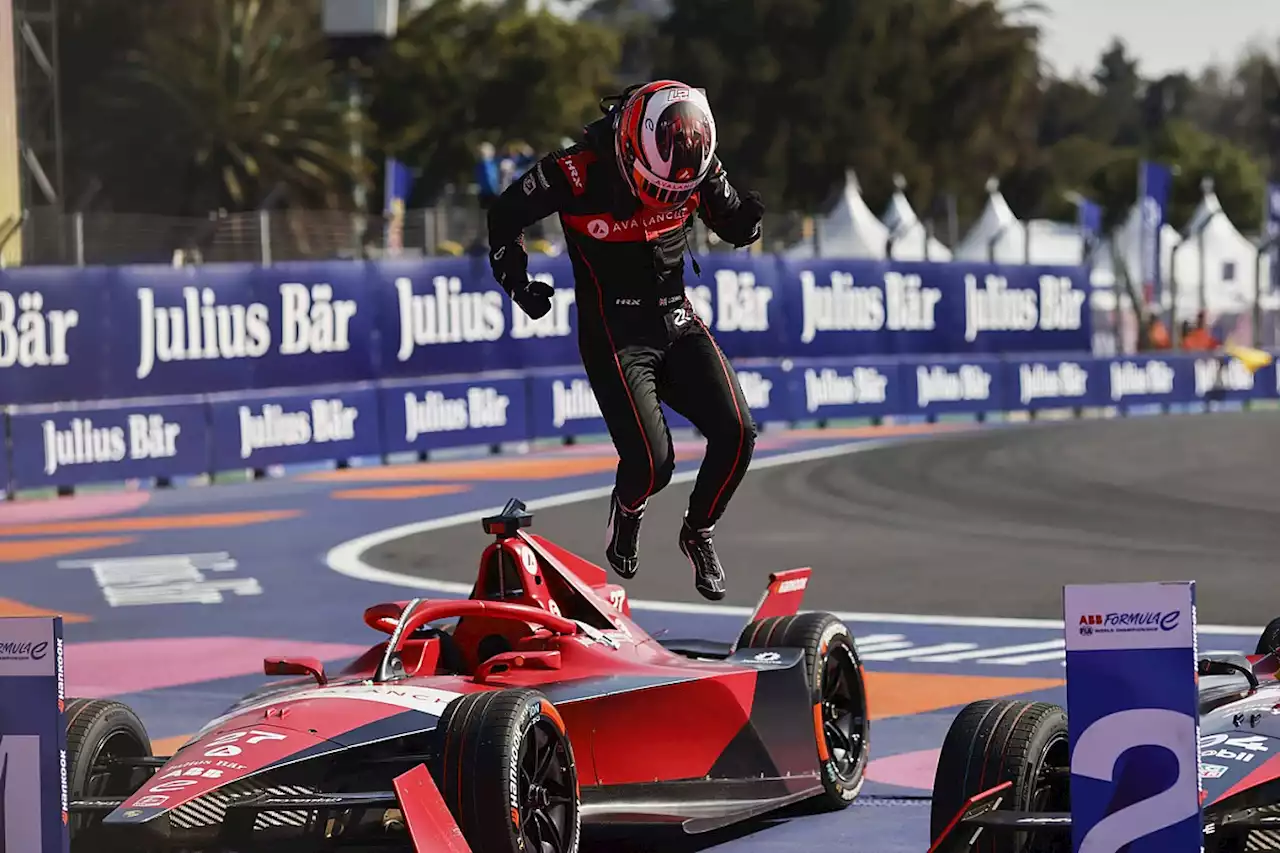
<point x="625" y="196"/>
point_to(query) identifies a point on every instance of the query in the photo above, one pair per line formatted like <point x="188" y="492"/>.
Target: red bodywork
<point x="638" y="714"/>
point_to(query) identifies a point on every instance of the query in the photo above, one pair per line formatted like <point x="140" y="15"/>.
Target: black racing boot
<point x="622" y="538"/>
<point x="708" y="575"/>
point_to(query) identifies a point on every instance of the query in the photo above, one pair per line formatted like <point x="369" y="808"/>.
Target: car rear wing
<point x="783" y="595"/>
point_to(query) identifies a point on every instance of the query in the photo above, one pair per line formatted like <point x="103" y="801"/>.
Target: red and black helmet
<point x="665" y="140"/>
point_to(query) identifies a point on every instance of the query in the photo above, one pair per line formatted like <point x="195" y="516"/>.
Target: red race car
<point x="543" y="707"/>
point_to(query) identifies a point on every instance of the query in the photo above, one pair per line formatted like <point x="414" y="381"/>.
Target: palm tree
<point x="244" y="89"/>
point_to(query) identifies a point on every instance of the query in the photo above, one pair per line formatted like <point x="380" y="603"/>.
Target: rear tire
<point x="99" y="729"/>
<point x="1269" y="639"/>
<point x="997" y="741"/>
<point x="507" y="773"/>
<point x="842" y="729"/>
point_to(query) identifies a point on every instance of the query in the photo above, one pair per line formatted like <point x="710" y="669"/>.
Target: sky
<point x="1165" y="35"/>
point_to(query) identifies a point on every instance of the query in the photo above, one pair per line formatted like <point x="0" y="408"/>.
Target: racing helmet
<point x="665" y="142"/>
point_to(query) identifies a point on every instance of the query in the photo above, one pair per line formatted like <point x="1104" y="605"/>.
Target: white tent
<point x="1227" y="265"/>
<point x="850" y="230"/>
<point x="911" y="240"/>
<point x="1000" y="236"/>
<point x="997" y="235"/>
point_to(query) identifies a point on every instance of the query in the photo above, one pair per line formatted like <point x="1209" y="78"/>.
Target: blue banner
<point x="1145" y="380"/>
<point x="433" y="415"/>
<point x="108" y="443"/>
<point x="165" y="437"/>
<point x="1155" y="182"/>
<point x="254" y="431"/>
<point x="945" y="385"/>
<point x="33" y="743"/>
<point x="847" y="388"/>
<point x="71" y="335"/>
<point x="1133" y="717"/>
<point x="1055" y="382"/>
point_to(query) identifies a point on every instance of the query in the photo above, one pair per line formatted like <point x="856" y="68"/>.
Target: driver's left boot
<point x="708" y="574"/>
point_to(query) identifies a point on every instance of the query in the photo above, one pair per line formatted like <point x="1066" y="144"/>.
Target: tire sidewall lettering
<point x="528" y="719"/>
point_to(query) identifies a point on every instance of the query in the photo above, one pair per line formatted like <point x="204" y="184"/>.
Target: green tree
<point x="242" y="93"/>
<point x="462" y="73"/>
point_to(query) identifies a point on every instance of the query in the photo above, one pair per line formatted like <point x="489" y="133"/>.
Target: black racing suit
<point x="638" y="335"/>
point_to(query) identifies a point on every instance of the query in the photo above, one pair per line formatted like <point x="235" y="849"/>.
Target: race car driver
<point x="626" y="195"/>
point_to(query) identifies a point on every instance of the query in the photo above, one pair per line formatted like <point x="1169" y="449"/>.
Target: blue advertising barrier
<point x="62" y="447"/>
<point x="33" y="743"/>
<point x="132" y="332"/>
<point x="69" y="444"/>
<point x="1133" y="718"/>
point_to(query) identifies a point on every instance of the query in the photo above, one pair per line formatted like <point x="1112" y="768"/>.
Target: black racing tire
<point x="842" y="725"/>
<point x="1269" y="639"/>
<point x="507" y="773"/>
<point x="1004" y="740"/>
<point x="98" y="729"/>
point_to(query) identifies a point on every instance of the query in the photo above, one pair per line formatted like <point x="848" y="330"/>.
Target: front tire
<point x="1005" y="740"/>
<point x="1269" y="639"/>
<point x="98" y="730"/>
<point x="842" y="728"/>
<point x="507" y="773"/>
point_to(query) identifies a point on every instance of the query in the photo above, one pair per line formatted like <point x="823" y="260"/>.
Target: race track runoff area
<point x="944" y="547"/>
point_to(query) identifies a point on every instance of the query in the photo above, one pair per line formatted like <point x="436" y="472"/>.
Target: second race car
<point x="1003" y="777"/>
<point x="543" y="707"/>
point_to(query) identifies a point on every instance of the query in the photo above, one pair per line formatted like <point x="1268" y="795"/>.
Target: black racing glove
<point x="510" y="268"/>
<point x="750" y="213"/>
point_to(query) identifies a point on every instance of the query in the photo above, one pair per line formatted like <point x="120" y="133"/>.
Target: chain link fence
<point x="455" y="226"/>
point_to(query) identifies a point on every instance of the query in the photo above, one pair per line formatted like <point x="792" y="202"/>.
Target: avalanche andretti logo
<point x="644" y="226"/>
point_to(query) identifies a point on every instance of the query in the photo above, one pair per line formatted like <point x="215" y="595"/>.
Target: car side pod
<point x="980" y="813"/>
<point x="431" y="827"/>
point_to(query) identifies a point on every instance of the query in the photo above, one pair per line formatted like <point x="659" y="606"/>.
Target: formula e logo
<point x="598" y="228"/>
<point x="768" y="657"/>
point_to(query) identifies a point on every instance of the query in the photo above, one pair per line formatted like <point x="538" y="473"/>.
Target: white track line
<point x="345" y="559"/>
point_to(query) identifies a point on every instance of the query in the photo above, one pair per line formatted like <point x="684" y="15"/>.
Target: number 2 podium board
<point x="33" y="768"/>
<point x="1132" y="714"/>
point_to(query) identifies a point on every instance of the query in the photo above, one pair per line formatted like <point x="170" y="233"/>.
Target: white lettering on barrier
<point x="900" y="303"/>
<point x="480" y="407"/>
<point x="755" y="388"/>
<point x="1212" y="374"/>
<point x="936" y="384"/>
<point x="994" y="307"/>
<point x="446" y="315"/>
<point x="700" y="299"/>
<point x="741" y="304"/>
<point x="199" y="329"/>
<point x="553" y="324"/>
<point x="165" y="579"/>
<point x="325" y="421"/>
<point x="1130" y="379"/>
<point x="144" y="436"/>
<point x="830" y="387"/>
<point x="573" y="402"/>
<point x="312" y="321"/>
<point x="1040" y="382"/>
<point x="30" y="336"/>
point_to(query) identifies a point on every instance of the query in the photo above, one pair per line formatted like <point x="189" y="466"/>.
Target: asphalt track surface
<point x="983" y="523"/>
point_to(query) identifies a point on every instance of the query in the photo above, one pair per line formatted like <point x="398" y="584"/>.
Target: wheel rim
<point x="101" y="781"/>
<point x="548" y="795"/>
<point x="1050" y="792"/>
<point x="844" y="714"/>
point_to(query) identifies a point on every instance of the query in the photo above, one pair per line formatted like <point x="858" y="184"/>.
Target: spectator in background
<point x="1199" y="338"/>
<point x="488" y="174"/>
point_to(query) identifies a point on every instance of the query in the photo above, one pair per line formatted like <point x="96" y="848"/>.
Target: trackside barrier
<point x="127" y="333"/>
<point x="71" y="444"/>
<point x="1133" y="718"/>
<point x="33" y="743"/>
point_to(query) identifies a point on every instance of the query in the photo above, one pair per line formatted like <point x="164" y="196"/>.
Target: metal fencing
<point x="454" y="226"/>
